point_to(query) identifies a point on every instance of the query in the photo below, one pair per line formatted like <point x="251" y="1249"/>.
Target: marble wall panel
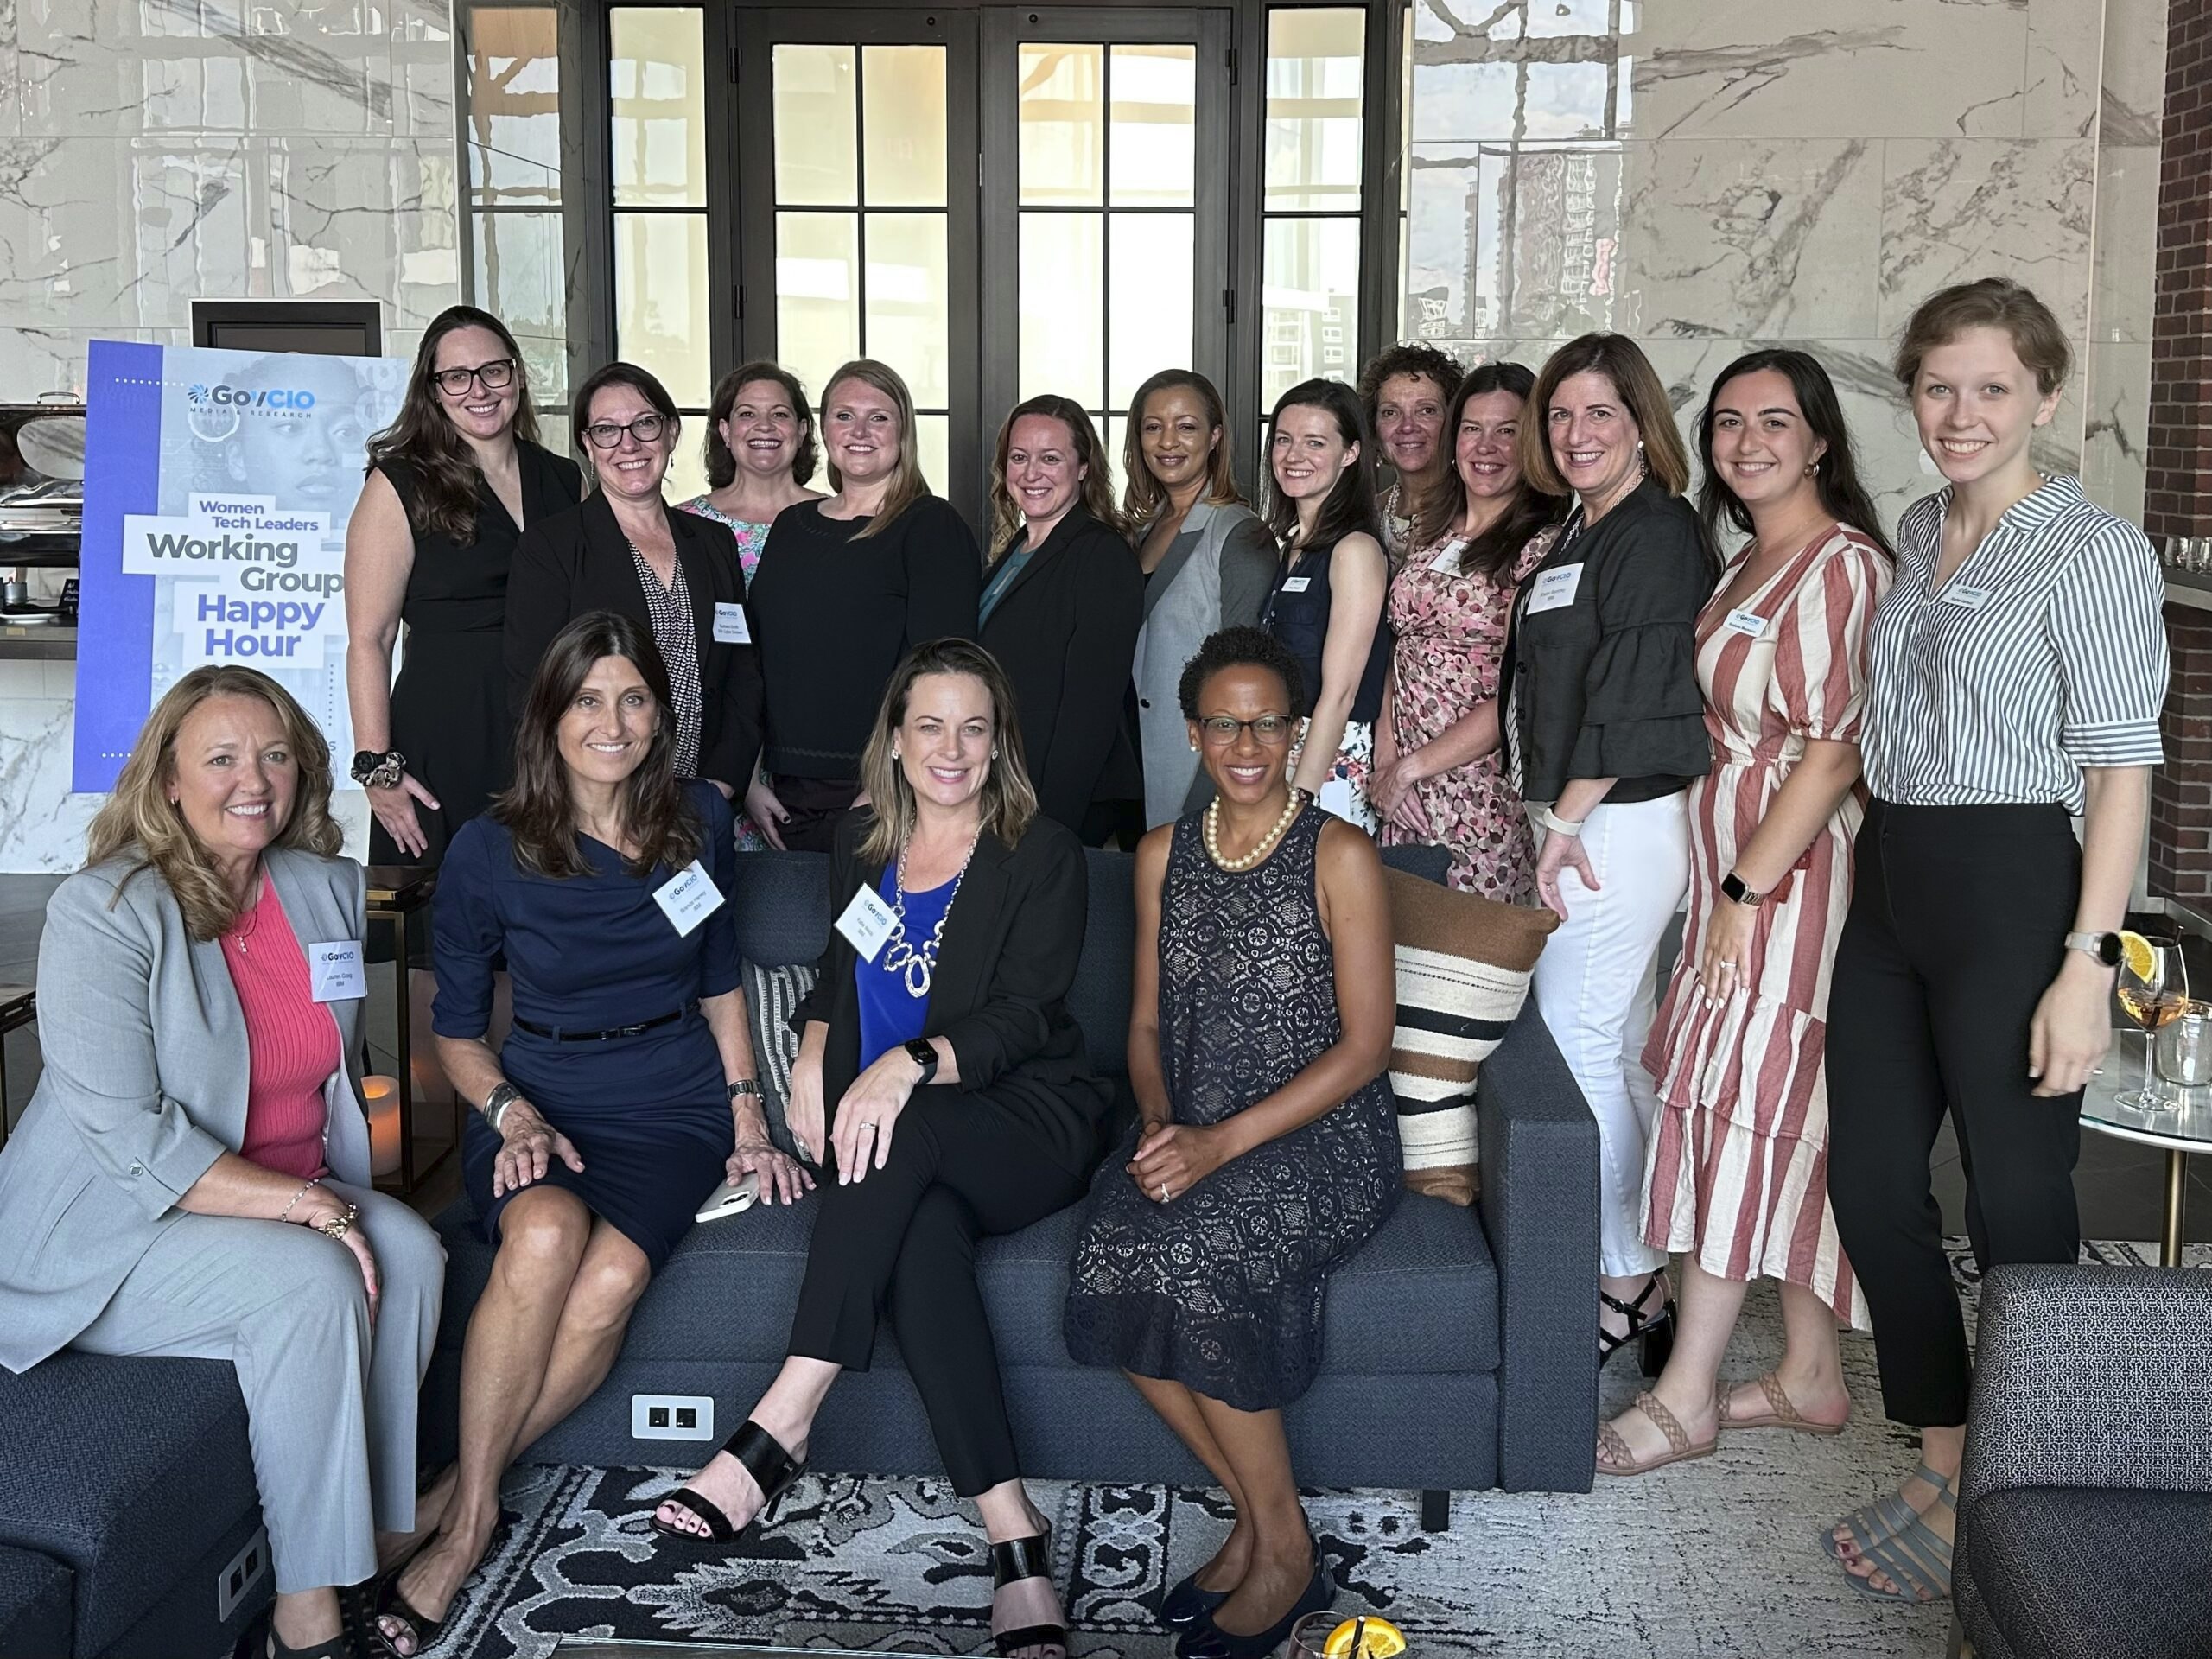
<point x="2124" y="271"/>
<point x="2118" y="395"/>
<point x="1958" y="208"/>
<point x="2132" y="101"/>
<point x="2060" y="92"/>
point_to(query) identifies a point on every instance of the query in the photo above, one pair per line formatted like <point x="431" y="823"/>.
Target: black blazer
<point x="578" y="561"/>
<point x="1065" y="632"/>
<point x="1000" y="992"/>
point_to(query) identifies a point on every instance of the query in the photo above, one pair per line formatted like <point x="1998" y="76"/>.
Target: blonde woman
<point x="161" y="1199"/>
<point x="1061" y="609"/>
<point x="846" y="587"/>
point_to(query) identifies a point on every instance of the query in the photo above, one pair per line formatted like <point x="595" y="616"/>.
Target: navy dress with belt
<point x="649" y="1114"/>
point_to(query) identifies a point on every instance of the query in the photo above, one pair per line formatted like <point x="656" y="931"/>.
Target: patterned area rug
<point x="1715" y="1557"/>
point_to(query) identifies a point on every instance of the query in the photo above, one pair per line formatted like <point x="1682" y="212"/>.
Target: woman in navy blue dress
<point x="626" y="1091"/>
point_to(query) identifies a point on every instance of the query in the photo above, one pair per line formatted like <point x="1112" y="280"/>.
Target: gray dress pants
<point x="329" y="1402"/>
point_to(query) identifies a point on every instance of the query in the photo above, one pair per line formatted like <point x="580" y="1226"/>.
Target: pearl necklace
<point x="1267" y="843"/>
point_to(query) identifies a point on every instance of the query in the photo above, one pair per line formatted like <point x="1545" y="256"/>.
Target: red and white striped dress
<point x="1738" y="1170"/>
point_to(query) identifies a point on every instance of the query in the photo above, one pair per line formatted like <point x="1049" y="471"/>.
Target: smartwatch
<point x="2105" y="947"/>
<point x="1734" y="890"/>
<point x="923" y="1054"/>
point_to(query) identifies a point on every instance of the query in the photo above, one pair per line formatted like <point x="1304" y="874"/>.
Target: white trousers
<point x="1597" y="986"/>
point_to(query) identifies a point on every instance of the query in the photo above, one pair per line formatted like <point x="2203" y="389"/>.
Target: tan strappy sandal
<point x="1781" y="1413"/>
<point x="1623" y="1459"/>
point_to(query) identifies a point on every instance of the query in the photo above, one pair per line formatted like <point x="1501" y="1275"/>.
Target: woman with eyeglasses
<point x="626" y="550"/>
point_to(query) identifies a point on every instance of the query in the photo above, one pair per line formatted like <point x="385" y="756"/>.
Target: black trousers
<point x="903" y="1242"/>
<point x="1957" y="927"/>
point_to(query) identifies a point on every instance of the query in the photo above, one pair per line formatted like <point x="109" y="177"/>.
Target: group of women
<point x="1856" y="764"/>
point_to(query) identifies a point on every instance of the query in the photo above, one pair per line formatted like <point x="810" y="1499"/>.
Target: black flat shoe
<point x="1188" y="1603"/>
<point x="772" y="1469"/>
<point x="1011" y="1562"/>
<point x="1206" y="1640"/>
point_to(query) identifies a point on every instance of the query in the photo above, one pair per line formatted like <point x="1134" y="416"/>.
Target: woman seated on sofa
<point x="940" y="1070"/>
<point x="1268" y="1150"/>
<point x="162" y="1197"/>
<point x="625" y="1091"/>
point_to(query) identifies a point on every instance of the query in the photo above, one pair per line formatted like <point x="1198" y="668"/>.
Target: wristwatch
<point x="373" y="771"/>
<point x="2105" y="947"/>
<point x="743" y="1087"/>
<point x="1734" y="890"/>
<point x="923" y="1054"/>
<point x="503" y="1096"/>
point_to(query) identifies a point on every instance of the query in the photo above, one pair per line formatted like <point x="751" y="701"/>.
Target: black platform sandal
<point x="1654" y="1332"/>
<point x="353" y="1640"/>
<point x="772" y="1469"/>
<point x="1011" y="1562"/>
<point x="390" y="1604"/>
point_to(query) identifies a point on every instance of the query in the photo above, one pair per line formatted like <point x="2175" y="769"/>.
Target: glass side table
<point x="2178" y="1133"/>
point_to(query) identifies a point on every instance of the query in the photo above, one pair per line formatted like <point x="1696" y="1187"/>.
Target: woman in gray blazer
<point x="161" y="1198"/>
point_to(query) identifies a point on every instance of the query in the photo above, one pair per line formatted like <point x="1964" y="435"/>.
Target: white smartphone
<point x="730" y="1200"/>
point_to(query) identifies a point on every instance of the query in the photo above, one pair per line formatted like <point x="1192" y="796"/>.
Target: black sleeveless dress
<point x="1222" y="1288"/>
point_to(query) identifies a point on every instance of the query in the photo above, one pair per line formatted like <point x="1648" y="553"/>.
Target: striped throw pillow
<point x="1463" y="966"/>
<point x="771" y="996"/>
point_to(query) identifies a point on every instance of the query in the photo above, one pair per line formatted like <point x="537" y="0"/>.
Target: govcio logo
<point x="201" y="396"/>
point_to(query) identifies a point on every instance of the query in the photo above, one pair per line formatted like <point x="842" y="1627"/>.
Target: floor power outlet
<point x="239" y="1576"/>
<point x="671" y="1417"/>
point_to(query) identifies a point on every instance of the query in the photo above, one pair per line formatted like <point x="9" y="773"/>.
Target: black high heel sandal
<point x="384" y="1600"/>
<point x="1654" y="1333"/>
<point x="772" y="1469"/>
<point x="1011" y="1562"/>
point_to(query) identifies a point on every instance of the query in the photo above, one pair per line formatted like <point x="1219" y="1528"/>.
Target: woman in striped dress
<point x="1737" y="1181"/>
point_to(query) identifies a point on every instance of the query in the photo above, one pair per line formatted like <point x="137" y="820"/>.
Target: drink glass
<point x="2152" y="998"/>
<point x="2183" y="1052"/>
<point x="1309" y="1636"/>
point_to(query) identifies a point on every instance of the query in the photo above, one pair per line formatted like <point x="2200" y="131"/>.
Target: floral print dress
<point x="751" y="538"/>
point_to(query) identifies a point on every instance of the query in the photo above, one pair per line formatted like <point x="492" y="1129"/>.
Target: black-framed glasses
<point x="497" y="376"/>
<point x="1270" y="729"/>
<point x="647" y="430"/>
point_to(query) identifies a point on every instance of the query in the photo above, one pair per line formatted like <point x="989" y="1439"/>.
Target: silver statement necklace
<point x="918" y="967"/>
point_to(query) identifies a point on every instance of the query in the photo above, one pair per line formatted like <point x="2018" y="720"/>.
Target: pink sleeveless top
<point x="291" y="1040"/>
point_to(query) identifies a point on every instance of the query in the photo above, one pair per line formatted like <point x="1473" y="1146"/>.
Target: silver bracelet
<point x="503" y="1096"/>
<point x="285" y="1214"/>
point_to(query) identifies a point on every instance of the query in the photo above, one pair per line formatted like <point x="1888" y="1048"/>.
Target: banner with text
<point x="218" y="487"/>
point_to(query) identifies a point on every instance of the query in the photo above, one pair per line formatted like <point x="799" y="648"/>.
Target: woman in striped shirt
<point x="2016" y="673"/>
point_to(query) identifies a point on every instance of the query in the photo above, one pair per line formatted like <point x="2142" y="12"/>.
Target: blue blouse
<point x="890" y="1014"/>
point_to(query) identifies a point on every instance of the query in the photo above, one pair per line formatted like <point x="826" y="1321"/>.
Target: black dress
<point x="1222" y="1288"/>
<point x="449" y="704"/>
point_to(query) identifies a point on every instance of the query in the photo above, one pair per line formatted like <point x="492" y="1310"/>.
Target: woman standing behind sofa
<point x="845" y="587"/>
<point x="1060" y="612"/>
<point x="200" y="1009"/>
<point x="1406" y="393"/>
<point x="1268" y="1145"/>
<point x="760" y="451"/>
<point x="2015" y="675"/>
<point x="1607" y="729"/>
<point x="1739" y="1165"/>
<point x="1209" y="563"/>
<point x="1439" y="775"/>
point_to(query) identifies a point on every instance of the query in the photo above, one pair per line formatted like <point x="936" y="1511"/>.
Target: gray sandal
<point x="1884" y="1518"/>
<point x="1916" y="1560"/>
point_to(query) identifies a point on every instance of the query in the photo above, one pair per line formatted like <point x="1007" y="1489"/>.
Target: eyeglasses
<point x="1270" y="729"/>
<point x="646" y="428"/>
<point x="496" y="375"/>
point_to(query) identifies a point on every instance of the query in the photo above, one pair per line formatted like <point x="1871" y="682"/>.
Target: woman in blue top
<point x="626" y="1090"/>
<point x="938" y="1062"/>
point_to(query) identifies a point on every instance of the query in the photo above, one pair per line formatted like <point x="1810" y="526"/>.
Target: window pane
<point x="1316" y="60"/>
<point x="656" y="92"/>
<point x="1153" y="134"/>
<point x="907" y="301"/>
<point x="934" y="433"/>
<point x="1148" y="285"/>
<point x="514" y="90"/>
<point x="687" y="467"/>
<point x="660" y="299"/>
<point x="902" y="94"/>
<point x="1062" y="306"/>
<point x="519" y="280"/>
<point x="815" y="121"/>
<point x="1062" y="124"/>
<point x="1309" y="303"/>
<point x="817" y="294"/>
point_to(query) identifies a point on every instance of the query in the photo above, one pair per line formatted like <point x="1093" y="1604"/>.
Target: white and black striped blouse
<point x="678" y="636"/>
<point x="2045" y="653"/>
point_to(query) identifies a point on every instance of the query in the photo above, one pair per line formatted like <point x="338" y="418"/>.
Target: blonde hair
<point x="1141" y="494"/>
<point x="1622" y="362"/>
<point x="139" y="818"/>
<point x="907" y="484"/>
<point x="1008" y="798"/>
<point x="1097" y="490"/>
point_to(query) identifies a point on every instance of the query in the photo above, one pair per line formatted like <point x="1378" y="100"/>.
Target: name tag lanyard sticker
<point x="689" y="899"/>
<point x="334" y="967"/>
<point x="866" y="923"/>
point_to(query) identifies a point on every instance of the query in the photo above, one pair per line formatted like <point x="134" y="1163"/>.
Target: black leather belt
<point x="561" y="1036"/>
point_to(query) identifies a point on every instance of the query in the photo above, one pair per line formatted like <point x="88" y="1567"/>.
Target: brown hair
<point x="1141" y="495"/>
<point x="1097" y="490"/>
<point x="1426" y="361"/>
<point x="1992" y="302"/>
<point x="722" y="466"/>
<point x="1009" y="799"/>
<point x="1492" y="553"/>
<point x="139" y="817"/>
<point x="1622" y="362"/>
<point x="907" y="484"/>
<point x="424" y="437"/>
<point x="644" y="382"/>
<point x="539" y="810"/>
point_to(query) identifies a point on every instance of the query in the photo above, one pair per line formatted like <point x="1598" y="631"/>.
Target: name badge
<point x="1554" y="589"/>
<point x="335" y="970"/>
<point x="1750" y="624"/>
<point x="1296" y="584"/>
<point x="1967" y="599"/>
<point x="730" y="626"/>
<point x="1447" y="563"/>
<point x="689" y="899"/>
<point x="866" y="923"/>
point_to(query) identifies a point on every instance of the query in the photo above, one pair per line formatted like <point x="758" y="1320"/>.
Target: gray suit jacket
<point x="144" y="1086"/>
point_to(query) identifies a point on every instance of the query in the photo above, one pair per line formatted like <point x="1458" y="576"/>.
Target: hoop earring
<point x="894" y="752"/>
<point x="995" y="753"/>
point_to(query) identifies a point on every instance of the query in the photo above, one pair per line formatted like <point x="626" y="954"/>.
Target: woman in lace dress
<point x="1268" y="1151"/>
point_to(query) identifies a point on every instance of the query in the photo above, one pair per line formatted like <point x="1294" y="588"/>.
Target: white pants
<point x="1597" y="986"/>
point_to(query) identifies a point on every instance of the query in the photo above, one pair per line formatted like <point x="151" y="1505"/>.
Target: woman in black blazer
<point x="1061" y="610"/>
<point x="952" y="1094"/>
<point x="626" y="550"/>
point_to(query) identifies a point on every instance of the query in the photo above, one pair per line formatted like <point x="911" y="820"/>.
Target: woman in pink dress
<point x="1737" y="1181"/>
<point x="1438" y="777"/>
